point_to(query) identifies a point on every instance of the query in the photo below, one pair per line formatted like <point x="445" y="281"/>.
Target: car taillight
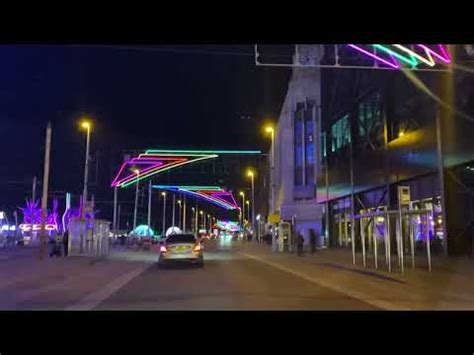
<point x="198" y="247"/>
<point x="163" y="249"/>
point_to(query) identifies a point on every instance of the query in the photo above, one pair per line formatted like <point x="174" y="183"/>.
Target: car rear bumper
<point x="188" y="257"/>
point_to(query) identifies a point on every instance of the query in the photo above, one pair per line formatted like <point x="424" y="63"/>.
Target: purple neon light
<point x="444" y="56"/>
<point x="394" y="64"/>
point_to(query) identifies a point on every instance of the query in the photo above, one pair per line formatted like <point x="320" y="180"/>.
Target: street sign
<point x="404" y="195"/>
<point x="274" y="218"/>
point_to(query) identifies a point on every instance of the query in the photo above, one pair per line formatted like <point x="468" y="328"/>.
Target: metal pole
<point x="118" y="218"/>
<point x="164" y="213"/>
<point x="412" y="241"/>
<point x="273" y="189"/>
<point x="243" y="212"/>
<point x="33" y="193"/>
<point x="253" y="208"/>
<point x="389" y="247"/>
<point x="374" y="237"/>
<point x="196" y="222"/>
<point x="174" y="210"/>
<point x="441" y="180"/>
<point x="184" y="213"/>
<point x="428" y="247"/>
<point x="135" y="212"/>
<point x="86" y="167"/>
<point x="115" y="211"/>
<point x="149" y="204"/>
<point x="400" y="236"/>
<point x="44" y="198"/>
<point x="362" y="233"/>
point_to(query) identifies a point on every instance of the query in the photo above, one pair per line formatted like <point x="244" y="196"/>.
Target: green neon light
<point x="151" y="151"/>
<point x="158" y="171"/>
<point x="412" y="62"/>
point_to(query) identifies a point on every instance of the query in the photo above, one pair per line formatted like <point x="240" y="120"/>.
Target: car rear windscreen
<point x="181" y="238"/>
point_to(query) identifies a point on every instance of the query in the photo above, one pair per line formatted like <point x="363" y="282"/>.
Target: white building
<point x="297" y="156"/>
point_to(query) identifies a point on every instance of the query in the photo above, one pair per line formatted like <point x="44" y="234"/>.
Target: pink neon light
<point x="394" y="64"/>
<point x="149" y="170"/>
<point x="444" y="56"/>
<point x="115" y="182"/>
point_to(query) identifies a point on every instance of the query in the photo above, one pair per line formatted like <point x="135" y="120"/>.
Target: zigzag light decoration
<point x="213" y="194"/>
<point x="396" y="55"/>
<point x="152" y="164"/>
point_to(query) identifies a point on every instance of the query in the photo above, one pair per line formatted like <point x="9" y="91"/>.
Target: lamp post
<point x="136" y="171"/>
<point x="242" y="210"/>
<point x="202" y="214"/>
<point x="271" y="130"/>
<point x="86" y="125"/>
<point x="248" y="210"/>
<point x="164" y="212"/>
<point x="209" y="221"/>
<point x="180" y="218"/>
<point x="174" y="211"/>
<point x="184" y="214"/>
<point x="194" y="215"/>
<point x="251" y="174"/>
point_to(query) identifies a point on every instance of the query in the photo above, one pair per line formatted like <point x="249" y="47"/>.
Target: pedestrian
<point x="312" y="240"/>
<point x="300" y="242"/>
<point x="66" y="243"/>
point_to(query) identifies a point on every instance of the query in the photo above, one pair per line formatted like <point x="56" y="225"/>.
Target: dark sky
<point x="150" y="97"/>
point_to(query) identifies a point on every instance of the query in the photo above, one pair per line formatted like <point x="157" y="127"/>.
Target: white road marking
<point x="353" y="294"/>
<point x="93" y="299"/>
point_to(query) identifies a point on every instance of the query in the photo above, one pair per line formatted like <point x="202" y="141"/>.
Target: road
<point x="229" y="281"/>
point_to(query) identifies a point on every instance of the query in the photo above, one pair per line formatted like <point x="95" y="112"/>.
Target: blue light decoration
<point x="212" y="194"/>
<point x="143" y="231"/>
<point x="228" y="226"/>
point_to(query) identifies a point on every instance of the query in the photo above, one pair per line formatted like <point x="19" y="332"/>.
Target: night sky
<point x="148" y="97"/>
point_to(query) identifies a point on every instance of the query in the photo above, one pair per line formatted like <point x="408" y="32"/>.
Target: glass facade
<point x="304" y="145"/>
<point x="340" y="133"/>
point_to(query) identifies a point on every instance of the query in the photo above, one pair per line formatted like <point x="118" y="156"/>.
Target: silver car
<point x="181" y="248"/>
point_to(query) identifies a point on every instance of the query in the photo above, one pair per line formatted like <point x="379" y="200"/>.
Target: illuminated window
<point x="340" y="133"/>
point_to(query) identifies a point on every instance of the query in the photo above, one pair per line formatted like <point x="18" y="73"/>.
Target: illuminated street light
<point x="86" y="124"/>
<point x="251" y="174"/>
<point x="135" y="210"/>
<point x="271" y="130"/>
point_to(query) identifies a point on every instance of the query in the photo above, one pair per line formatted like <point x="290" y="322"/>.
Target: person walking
<point x="312" y="240"/>
<point x="300" y="242"/>
<point x="65" y="243"/>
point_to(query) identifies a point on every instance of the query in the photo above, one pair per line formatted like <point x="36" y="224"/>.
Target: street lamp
<point x="248" y="210"/>
<point x="251" y="174"/>
<point x="86" y="124"/>
<point x="164" y="212"/>
<point x="136" y="171"/>
<point x="201" y="213"/>
<point x="271" y="131"/>
<point x="242" y="210"/>
<point x="180" y="219"/>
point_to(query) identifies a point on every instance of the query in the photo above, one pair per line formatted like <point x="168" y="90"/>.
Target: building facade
<point x="296" y="154"/>
<point x="348" y="139"/>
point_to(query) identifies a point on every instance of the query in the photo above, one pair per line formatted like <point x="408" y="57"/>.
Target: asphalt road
<point x="228" y="281"/>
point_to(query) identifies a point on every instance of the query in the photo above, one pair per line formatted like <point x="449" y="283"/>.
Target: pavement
<point x="236" y="276"/>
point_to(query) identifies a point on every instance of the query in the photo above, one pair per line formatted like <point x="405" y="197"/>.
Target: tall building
<point x="348" y="139"/>
<point x="296" y="151"/>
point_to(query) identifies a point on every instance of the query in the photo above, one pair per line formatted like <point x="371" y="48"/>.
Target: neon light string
<point x="223" y="202"/>
<point x="164" y="168"/>
<point x="445" y="57"/>
<point x="146" y="155"/>
<point x="128" y="183"/>
<point x="207" y="198"/>
<point x="148" y="170"/>
<point x="204" y="151"/>
<point x="229" y="194"/>
<point x="393" y="64"/>
<point x="133" y="178"/>
<point x="131" y="175"/>
<point x="215" y="194"/>
<point x="187" y="187"/>
<point x="411" y="62"/>
<point x="429" y="61"/>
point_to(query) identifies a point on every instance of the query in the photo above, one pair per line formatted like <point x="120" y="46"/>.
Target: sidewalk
<point x="450" y="285"/>
<point x="27" y="283"/>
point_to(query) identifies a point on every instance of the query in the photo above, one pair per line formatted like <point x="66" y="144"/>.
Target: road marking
<point x="353" y="294"/>
<point x="93" y="299"/>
